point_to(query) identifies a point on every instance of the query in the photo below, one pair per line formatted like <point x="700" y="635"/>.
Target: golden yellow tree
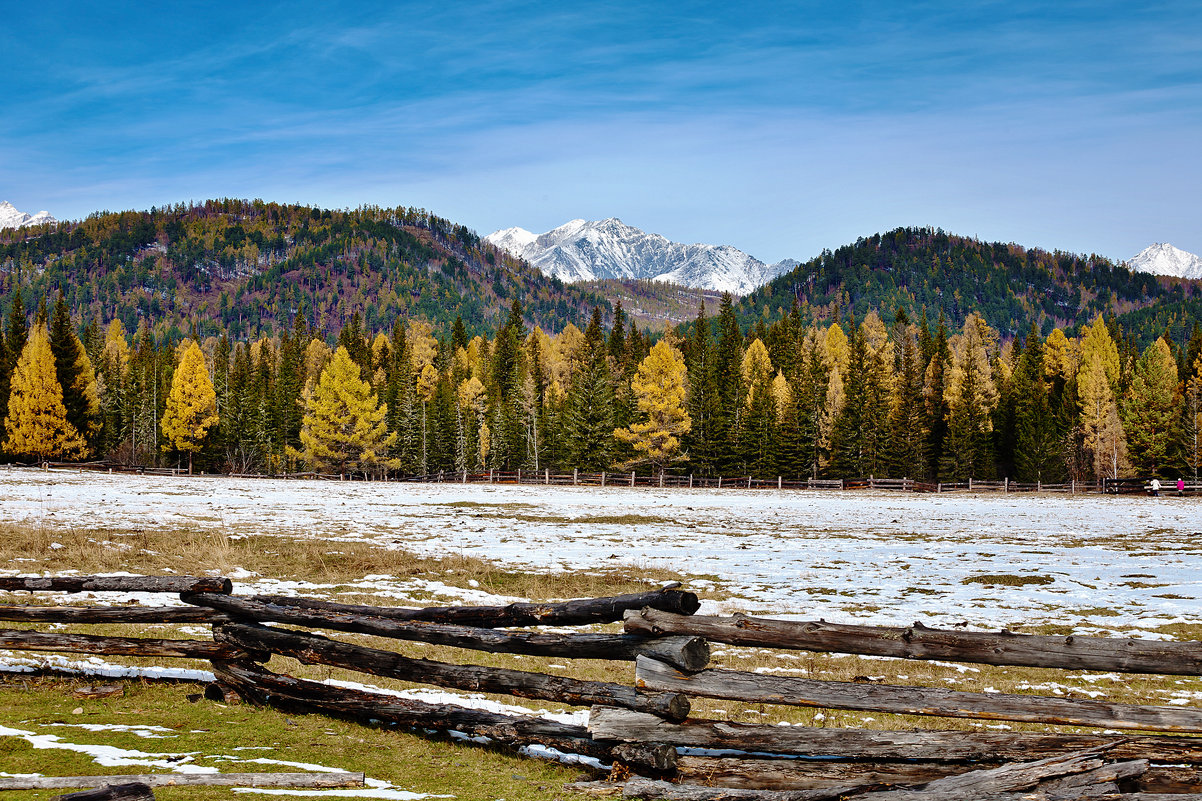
<point x="191" y="406"/>
<point x="344" y="426"/>
<point x="659" y="388"/>
<point x="37" y="419"/>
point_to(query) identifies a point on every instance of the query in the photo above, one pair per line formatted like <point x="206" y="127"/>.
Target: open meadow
<point x="1030" y="563"/>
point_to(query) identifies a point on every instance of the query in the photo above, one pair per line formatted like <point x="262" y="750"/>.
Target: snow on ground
<point x="1092" y="562"/>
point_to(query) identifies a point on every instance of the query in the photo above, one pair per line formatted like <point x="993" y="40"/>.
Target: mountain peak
<point x="1161" y="258"/>
<point x="12" y="217"/>
<point x="580" y="250"/>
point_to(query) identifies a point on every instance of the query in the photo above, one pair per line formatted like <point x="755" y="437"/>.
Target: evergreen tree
<point x="729" y="391"/>
<point x="37" y="424"/>
<point x="1037" y="443"/>
<point x="191" y="406"/>
<point x="701" y="379"/>
<point x="757" y="425"/>
<point x="75" y="375"/>
<point x="811" y="401"/>
<point x="972" y="397"/>
<point x="344" y="426"/>
<point x="907" y="457"/>
<point x="589" y="416"/>
<point x="1148" y="411"/>
<point x="935" y="395"/>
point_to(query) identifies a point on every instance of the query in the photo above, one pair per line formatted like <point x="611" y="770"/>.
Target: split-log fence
<point x="580" y="478"/>
<point x="643" y="728"/>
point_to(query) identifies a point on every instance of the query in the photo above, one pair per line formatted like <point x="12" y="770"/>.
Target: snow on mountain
<point x="580" y="250"/>
<point x="10" y="217"/>
<point x="1164" y="259"/>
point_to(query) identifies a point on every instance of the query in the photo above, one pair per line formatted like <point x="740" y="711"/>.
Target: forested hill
<point x="1010" y="286"/>
<point x="249" y="267"/>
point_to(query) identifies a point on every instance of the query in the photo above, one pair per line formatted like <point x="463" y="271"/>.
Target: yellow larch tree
<point x="37" y="419"/>
<point x="658" y="386"/>
<point x="343" y="427"/>
<point x="191" y="406"/>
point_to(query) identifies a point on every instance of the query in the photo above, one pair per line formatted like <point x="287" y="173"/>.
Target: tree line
<point x="794" y="398"/>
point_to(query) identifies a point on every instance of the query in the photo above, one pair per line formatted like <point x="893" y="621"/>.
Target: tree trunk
<point x="117" y="646"/>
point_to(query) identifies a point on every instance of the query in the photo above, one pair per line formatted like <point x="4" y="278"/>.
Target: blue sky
<point x="778" y="128"/>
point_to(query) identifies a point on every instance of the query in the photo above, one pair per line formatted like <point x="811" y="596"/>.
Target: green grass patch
<point x="1007" y="580"/>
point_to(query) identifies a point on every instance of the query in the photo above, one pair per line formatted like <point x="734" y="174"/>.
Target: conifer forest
<point x="255" y="338"/>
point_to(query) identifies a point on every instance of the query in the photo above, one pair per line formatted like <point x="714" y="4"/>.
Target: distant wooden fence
<point x="643" y="728"/>
<point x="577" y="478"/>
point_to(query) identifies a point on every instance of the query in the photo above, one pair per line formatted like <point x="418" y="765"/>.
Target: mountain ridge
<point x="1161" y="258"/>
<point x="584" y="250"/>
<point x="12" y="217"/>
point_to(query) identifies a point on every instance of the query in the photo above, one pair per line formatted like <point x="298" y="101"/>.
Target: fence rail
<point x="578" y="478"/>
<point x="643" y="727"/>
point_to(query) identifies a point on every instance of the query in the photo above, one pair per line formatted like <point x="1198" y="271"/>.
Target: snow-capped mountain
<point x="581" y="250"/>
<point x="10" y="217"/>
<point x="1164" y="259"/>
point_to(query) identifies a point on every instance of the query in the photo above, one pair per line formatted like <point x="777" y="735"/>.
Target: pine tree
<point x="757" y="425"/>
<point x="344" y="426"/>
<point x="659" y="386"/>
<point x="37" y="424"/>
<point x="588" y="414"/>
<point x="1191" y="428"/>
<point x="1037" y="443"/>
<point x="972" y="396"/>
<point x="191" y="406"/>
<point x="75" y="375"/>
<point x="728" y="381"/>
<point x="701" y="380"/>
<point x="15" y="336"/>
<point x="907" y="457"/>
<point x="1148" y="409"/>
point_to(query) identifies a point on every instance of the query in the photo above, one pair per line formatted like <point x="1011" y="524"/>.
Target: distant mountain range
<point x="582" y="250"/>
<point x="1164" y="259"/>
<point x="11" y="217"/>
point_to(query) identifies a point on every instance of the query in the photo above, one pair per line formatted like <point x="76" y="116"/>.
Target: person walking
<point x="1180" y="487"/>
<point x="1156" y="488"/>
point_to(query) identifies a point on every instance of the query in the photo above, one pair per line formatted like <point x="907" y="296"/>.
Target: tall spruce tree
<point x="589" y="414"/>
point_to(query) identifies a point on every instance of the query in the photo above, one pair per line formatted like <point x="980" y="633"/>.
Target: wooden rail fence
<point x="547" y="477"/>
<point x="643" y="728"/>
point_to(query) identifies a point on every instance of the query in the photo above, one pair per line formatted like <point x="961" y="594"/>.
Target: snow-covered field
<point x="1094" y="563"/>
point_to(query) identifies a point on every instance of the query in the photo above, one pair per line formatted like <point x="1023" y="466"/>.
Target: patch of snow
<point x="11" y="217"/>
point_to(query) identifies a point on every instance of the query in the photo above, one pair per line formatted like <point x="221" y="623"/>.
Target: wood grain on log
<point x="918" y="642"/>
<point x="117" y="646"/>
<point x="313" y="649"/>
<point x="566" y="613"/>
<point x="934" y="746"/>
<point x="644" y="758"/>
<point x="901" y="700"/>
<point x="331" y="779"/>
<point x="639" y="787"/>
<point x="681" y="651"/>
<point x="255" y="682"/>
<point x="119" y="584"/>
<point x="111" y="614"/>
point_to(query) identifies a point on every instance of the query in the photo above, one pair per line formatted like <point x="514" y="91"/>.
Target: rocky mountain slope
<point x="12" y="217"/>
<point x="1164" y="259"/>
<point x="582" y="250"/>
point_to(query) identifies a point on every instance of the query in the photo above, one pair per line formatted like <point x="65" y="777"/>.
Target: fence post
<point x="1072" y="486"/>
<point x="1005" y="485"/>
<point x="490" y="475"/>
<point x="970" y="483"/>
<point x="749" y="482"/>
<point x="575" y="478"/>
<point x="779" y="483"/>
<point x="939" y="487"/>
<point x="1038" y="485"/>
<point x="690" y="480"/>
<point x="632" y="478"/>
<point x="519" y="475"/>
<point x="548" y="481"/>
<point x="841" y="484"/>
<point x="603" y="478"/>
<point x="719" y="482"/>
<point x="871" y="481"/>
<point x="661" y="478"/>
<point x="464" y="476"/>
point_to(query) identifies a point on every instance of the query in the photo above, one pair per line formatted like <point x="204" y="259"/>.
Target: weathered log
<point x="1004" y="779"/>
<point x="111" y="614"/>
<point x="331" y="779"/>
<point x="751" y="772"/>
<point x="655" y="758"/>
<point x="919" y="642"/>
<point x="119" y="584"/>
<point x="1109" y="774"/>
<point x="567" y="613"/>
<point x="681" y="651"/>
<point x="901" y="700"/>
<point x="607" y="723"/>
<point x="132" y="791"/>
<point x="311" y="648"/>
<point x="118" y="646"/>
<point x="263" y="686"/>
<point x="769" y="773"/>
<point x="639" y="787"/>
